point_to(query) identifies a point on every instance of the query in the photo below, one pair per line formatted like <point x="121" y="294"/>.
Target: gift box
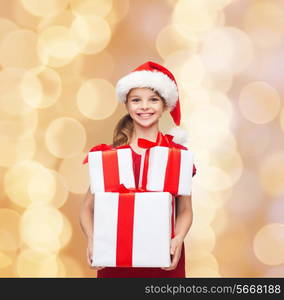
<point x="110" y="168"/>
<point x="132" y="229"/>
<point x="167" y="169"/>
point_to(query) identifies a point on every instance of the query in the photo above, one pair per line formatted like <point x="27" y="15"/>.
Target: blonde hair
<point x="124" y="129"/>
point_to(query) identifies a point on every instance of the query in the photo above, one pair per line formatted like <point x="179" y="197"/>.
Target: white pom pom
<point x="180" y="135"/>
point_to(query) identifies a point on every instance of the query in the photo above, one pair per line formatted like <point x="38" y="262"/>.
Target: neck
<point x="149" y="133"/>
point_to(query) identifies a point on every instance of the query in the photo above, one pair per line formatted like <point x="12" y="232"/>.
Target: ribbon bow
<point x="101" y="147"/>
<point x="124" y="190"/>
<point x="161" y="140"/>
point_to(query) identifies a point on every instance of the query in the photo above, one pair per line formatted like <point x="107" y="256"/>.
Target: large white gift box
<point x="110" y="168"/>
<point x="132" y="229"/>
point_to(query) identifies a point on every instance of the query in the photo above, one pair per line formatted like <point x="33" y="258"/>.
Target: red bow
<point x="124" y="190"/>
<point x="101" y="147"/>
<point x="161" y="140"/>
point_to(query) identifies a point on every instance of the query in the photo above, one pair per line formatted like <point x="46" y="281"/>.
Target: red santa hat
<point x="161" y="80"/>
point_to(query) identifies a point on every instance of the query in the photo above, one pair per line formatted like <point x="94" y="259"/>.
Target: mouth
<point x="145" y="116"/>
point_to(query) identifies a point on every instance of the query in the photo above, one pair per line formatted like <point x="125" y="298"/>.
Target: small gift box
<point x="132" y="229"/>
<point x="108" y="168"/>
<point x="165" y="167"/>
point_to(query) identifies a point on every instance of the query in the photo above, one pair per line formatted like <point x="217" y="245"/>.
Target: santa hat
<point x="155" y="76"/>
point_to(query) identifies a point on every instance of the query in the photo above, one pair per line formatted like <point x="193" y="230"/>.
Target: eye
<point x="135" y="100"/>
<point x="155" y="99"/>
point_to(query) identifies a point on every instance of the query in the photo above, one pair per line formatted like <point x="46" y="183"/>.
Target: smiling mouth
<point x="145" y="115"/>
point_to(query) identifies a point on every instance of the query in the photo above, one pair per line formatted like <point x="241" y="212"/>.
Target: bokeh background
<point x="59" y="63"/>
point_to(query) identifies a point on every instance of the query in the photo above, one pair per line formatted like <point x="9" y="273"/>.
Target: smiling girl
<point x="147" y="93"/>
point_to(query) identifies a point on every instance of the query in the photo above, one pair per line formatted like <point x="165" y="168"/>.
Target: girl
<point x="147" y="92"/>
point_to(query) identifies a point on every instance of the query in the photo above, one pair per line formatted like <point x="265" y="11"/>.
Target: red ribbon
<point x="124" y="244"/>
<point x="110" y="170"/>
<point x="173" y="164"/>
<point x="101" y="147"/>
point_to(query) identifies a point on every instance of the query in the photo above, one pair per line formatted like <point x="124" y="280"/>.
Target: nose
<point x="144" y="104"/>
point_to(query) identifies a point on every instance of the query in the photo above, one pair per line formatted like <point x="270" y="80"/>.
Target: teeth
<point x="145" y="115"/>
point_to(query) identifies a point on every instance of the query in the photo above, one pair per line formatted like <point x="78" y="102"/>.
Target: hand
<point x="90" y="254"/>
<point x="176" y="246"/>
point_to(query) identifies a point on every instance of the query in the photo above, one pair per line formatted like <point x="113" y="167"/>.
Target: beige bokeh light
<point x="65" y="137"/>
<point x="271" y="174"/>
<point x="26" y="41"/>
<point x="9" y="229"/>
<point x="15" y="126"/>
<point x="6" y="26"/>
<point x="72" y="267"/>
<point x="170" y="40"/>
<point x="77" y="182"/>
<point x="11" y="100"/>
<point x="96" y="99"/>
<point x="20" y="180"/>
<point x="192" y="72"/>
<point x="41" y="87"/>
<point x="264" y="21"/>
<point x="91" y="7"/>
<point x="259" y="102"/>
<point x="16" y="149"/>
<point x="193" y="18"/>
<point x="92" y="33"/>
<point x="236" y="54"/>
<point x="61" y="190"/>
<point x="31" y="263"/>
<point x="268" y="244"/>
<point x="45" y="8"/>
<point x="41" y="226"/>
<point x="202" y="263"/>
<point x="56" y="46"/>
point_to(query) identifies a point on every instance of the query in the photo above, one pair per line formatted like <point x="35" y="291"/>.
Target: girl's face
<point x="144" y="106"/>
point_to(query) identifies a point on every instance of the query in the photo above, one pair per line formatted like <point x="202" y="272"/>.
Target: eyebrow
<point x="140" y="96"/>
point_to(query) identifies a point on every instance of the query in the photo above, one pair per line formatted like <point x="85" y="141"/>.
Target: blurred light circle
<point x="72" y="267"/>
<point x="65" y="137"/>
<point x="31" y="263"/>
<point x="9" y="229"/>
<point x="41" y="227"/>
<point x="193" y="17"/>
<point x="61" y="190"/>
<point x="56" y="46"/>
<point x="192" y="72"/>
<point x="170" y="40"/>
<point x="94" y="7"/>
<point x="96" y="99"/>
<point x="253" y="139"/>
<point x="92" y="33"/>
<point x="66" y="232"/>
<point x="264" y="21"/>
<point x="201" y="237"/>
<point x="16" y="149"/>
<point x="11" y="100"/>
<point x="26" y="41"/>
<point x="202" y="264"/>
<point x="217" y="82"/>
<point x="271" y="174"/>
<point x="268" y="244"/>
<point x="214" y="178"/>
<point x="17" y="126"/>
<point x="259" y="102"/>
<point x="45" y="8"/>
<point x="77" y="182"/>
<point x="41" y="87"/>
<point x="18" y="178"/>
<point x="6" y="26"/>
<point x="236" y="54"/>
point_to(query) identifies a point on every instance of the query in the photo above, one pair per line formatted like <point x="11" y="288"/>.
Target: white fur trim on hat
<point x="152" y="79"/>
<point x="180" y="135"/>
